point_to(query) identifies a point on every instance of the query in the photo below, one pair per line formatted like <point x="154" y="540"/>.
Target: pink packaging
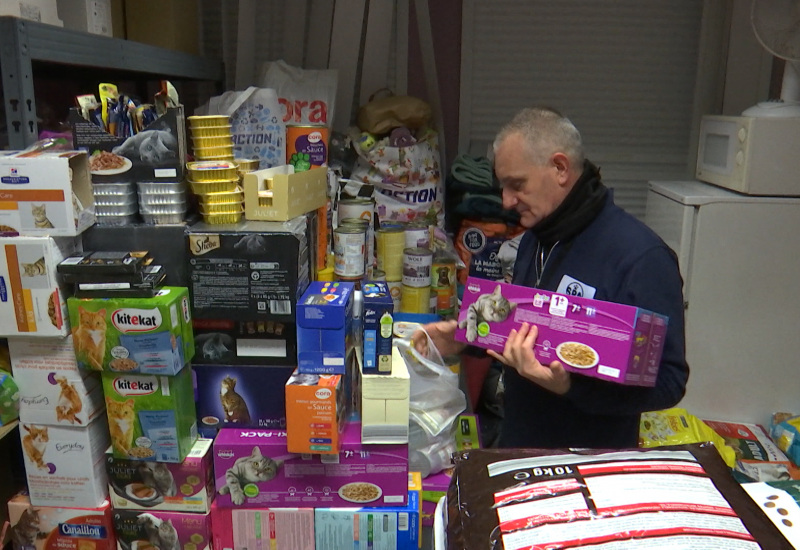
<point x="138" y="530"/>
<point x="374" y="475"/>
<point x="591" y="337"/>
<point x="434" y="487"/>
<point x="245" y="528"/>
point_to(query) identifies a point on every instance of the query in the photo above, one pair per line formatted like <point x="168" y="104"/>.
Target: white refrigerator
<point x="739" y="256"/>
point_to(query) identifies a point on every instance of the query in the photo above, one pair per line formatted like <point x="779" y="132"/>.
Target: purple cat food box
<point x="600" y="339"/>
<point x="146" y="485"/>
<point x="161" y="530"/>
<point x="251" y="396"/>
<point x="253" y="468"/>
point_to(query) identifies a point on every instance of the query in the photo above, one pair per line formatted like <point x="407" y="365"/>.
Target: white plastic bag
<point x="306" y="96"/>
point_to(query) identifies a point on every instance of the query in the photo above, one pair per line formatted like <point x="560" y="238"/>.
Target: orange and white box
<point x="31" y="301"/>
<point x="315" y="413"/>
<point x="57" y="528"/>
<point x="52" y="389"/>
<point x="45" y="193"/>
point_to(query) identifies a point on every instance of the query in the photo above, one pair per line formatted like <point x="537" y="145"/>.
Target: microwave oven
<point x="751" y="155"/>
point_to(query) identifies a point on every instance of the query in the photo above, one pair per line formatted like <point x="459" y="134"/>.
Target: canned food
<point x="355" y="280"/>
<point x="114" y="200"/>
<point x="325" y="274"/>
<point x="223" y="130"/>
<point x="349" y="243"/>
<point x="221" y="197"/>
<point x="417" y="267"/>
<point x="215" y="219"/>
<point x="212" y="170"/>
<point x="160" y="187"/>
<point x="247" y="165"/>
<point x="203" y="153"/>
<point x="120" y="188"/>
<point x="216" y="186"/>
<point x="214" y="141"/>
<point x="161" y="219"/>
<point x="162" y="198"/>
<point x="117" y="209"/>
<point x="395" y="289"/>
<point x="418" y="235"/>
<point x="390" y="245"/>
<point x="309" y="143"/>
<point x="378" y="275"/>
<point x="415" y="299"/>
<point x="355" y="208"/>
<point x="177" y="208"/>
<point x="206" y="120"/>
<point x="221" y="208"/>
<point x="443" y="286"/>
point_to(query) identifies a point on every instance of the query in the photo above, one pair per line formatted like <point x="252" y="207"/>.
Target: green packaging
<point x="9" y="399"/>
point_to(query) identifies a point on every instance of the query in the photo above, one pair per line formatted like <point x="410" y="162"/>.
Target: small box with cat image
<point x="64" y="528"/>
<point x="151" y="417"/>
<point x="133" y="335"/>
<point x="184" y="487"/>
<point x="162" y="530"/>
<point x="32" y="298"/>
<point x="242" y="396"/>
<point x="325" y="328"/>
<point x="52" y="389"/>
<point x="64" y="465"/>
<point x="594" y="338"/>
<point x="238" y="529"/>
<point x="45" y="193"/>
<point x="250" y="343"/>
<point x="156" y="153"/>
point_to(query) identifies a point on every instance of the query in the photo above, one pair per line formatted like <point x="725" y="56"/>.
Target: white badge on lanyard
<point x="573" y="287"/>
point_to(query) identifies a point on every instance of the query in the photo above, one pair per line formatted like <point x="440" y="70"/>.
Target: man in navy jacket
<point x="578" y="242"/>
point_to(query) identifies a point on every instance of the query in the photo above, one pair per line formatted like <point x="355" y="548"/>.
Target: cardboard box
<point x="591" y="337"/>
<point x="251" y="271"/>
<point x="358" y="474"/>
<point x="65" y="528"/>
<point x="385" y="403"/>
<point x="278" y="194"/>
<point x="9" y="399"/>
<point x="52" y="389"/>
<point x="160" y="529"/>
<point x="157" y="153"/>
<point x="377" y="321"/>
<point x="42" y="11"/>
<point x="175" y="28"/>
<point x="232" y="342"/>
<point x="133" y="335"/>
<point x="32" y="302"/>
<point x="151" y="417"/>
<point x="316" y="408"/>
<point x="45" y="194"/>
<point x="92" y="16"/>
<point x="325" y="329"/>
<point x="64" y="465"/>
<point x="184" y="487"/>
<point x="238" y="529"/>
<point x="241" y="396"/>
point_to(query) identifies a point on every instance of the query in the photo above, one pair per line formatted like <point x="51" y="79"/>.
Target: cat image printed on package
<point x="255" y="468"/>
<point x="487" y="308"/>
<point x="150" y="146"/>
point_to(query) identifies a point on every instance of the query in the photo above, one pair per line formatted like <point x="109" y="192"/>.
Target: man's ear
<point x="562" y="165"/>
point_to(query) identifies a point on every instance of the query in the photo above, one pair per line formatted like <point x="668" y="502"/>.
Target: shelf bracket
<point x="20" y="104"/>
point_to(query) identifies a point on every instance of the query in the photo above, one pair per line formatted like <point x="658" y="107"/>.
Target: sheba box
<point x="316" y="408"/>
<point x="151" y="417"/>
<point x="64" y="465"/>
<point x="32" y="300"/>
<point x="45" y="194"/>
<point x="52" y="389"/>
<point x="590" y="337"/>
<point x="133" y="335"/>
<point x="251" y="271"/>
<point x="161" y="529"/>
<point x="278" y="194"/>
<point x="184" y="487"/>
<point x="243" y="529"/>
<point x="374" y="475"/>
<point x="57" y="527"/>
<point x="325" y="329"/>
<point x="235" y="342"/>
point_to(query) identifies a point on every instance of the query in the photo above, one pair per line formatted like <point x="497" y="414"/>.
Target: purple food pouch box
<point x="254" y="469"/>
<point x="159" y="529"/>
<point x="594" y="338"/>
<point x="658" y="333"/>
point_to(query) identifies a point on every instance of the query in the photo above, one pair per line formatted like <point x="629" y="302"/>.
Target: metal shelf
<point x="22" y="42"/>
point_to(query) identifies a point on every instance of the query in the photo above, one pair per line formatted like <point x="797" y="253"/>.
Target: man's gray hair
<point x="545" y="131"/>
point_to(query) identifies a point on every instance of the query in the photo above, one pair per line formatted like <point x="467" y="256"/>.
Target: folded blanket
<point x="473" y="170"/>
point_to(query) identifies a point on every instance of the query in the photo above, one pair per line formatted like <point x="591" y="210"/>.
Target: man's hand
<point x="442" y="335"/>
<point x="518" y="354"/>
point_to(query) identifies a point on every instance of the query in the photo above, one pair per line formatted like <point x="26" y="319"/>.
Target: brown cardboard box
<point x="173" y="24"/>
<point x="286" y="195"/>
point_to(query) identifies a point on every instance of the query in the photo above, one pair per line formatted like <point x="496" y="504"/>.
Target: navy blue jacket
<point x="627" y="263"/>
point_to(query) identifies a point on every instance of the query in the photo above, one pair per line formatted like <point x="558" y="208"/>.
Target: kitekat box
<point x="133" y="335"/>
<point x="594" y="338"/>
<point x="45" y="194"/>
<point x="161" y="529"/>
<point x="243" y="529"/>
<point x="53" y="390"/>
<point x="184" y="487"/>
<point x="32" y="301"/>
<point x="60" y="528"/>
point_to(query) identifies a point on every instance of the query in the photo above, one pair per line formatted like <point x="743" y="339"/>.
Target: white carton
<point x="52" y="390"/>
<point x="31" y="301"/>
<point x="385" y="402"/>
<point x="65" y="466"/>
<point x="45" y="194"/>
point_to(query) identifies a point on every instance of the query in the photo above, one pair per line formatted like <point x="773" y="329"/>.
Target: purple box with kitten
<point x="161" y="530"/>
<point x="590" y="337"/>
<point x="253" y="468"/>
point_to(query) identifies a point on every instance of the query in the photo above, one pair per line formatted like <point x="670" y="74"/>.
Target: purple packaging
<point x="374" y="475"/>
<point x="658" y="332"/>
<point x="591" y="337"/>
<point x="251" y="396"/>
<point x="138" y="530"/>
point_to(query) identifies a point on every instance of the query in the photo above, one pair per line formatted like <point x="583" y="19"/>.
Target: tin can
<point x="378" y="275"/>
<point x="369" y="249"/>
<point x="390" y="245"/>
<point x="443" y="286"/>
<point x="417" y="267"/>
<point x="396" y="290"/>
<point x="415" y="299"/>
<point x="348" y="251"/>
<point x="355" y="280"/>
<point x="418" y="235"/>
<point x="355" y="208"/>
<point x="310" y="140"/>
